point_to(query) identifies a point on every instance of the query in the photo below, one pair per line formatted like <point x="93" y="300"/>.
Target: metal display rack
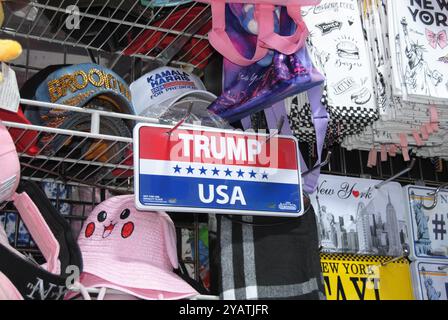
<point x="50" y="166"/>
<point x="118" y="176"/>
<point x="101" y="172"/>
<point x="123" y="26"/>
<point x="117" y="28"/>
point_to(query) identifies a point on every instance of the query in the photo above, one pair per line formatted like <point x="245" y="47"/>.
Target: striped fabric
<point x="269" y="258"/>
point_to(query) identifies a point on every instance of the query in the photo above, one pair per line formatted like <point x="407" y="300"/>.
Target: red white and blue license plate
<point x="216" y="171"/>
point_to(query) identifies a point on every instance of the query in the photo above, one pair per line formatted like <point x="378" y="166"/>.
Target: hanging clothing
<point x="275" y="258"/>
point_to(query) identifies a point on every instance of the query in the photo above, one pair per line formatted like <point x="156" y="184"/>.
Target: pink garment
<point x="10" y="173"/>
<point x="30" y="214"/>
<point x="4" y="242"/>
<point x="132" y="251"/>
<point x="7" y="290"/>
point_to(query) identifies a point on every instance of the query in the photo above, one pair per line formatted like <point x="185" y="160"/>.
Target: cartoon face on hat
<point x="107" y="223"/>
<point x="121" y="231"/>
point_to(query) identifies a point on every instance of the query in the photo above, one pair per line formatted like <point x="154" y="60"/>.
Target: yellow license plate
<point x="352" y="277"/>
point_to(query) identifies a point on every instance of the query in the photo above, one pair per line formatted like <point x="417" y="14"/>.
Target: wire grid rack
<point x="109" y="172"/>
<point x="428" y="172"/>
<point x="101" y="175"/>
<point x="174" y="35"/>
<point x="75" y="209"/>
<point x="110" y="168"/>
<point x="83" y="155"/>
<point x="119" y="36"/>
<point x="106" y="174"/>
<point x="108" y="38"/>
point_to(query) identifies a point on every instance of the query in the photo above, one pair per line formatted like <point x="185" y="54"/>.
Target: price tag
<point x="9" y="90"/>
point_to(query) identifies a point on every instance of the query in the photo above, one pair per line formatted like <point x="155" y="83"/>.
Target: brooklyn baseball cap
<point x="166" y="93"/>
<point x="75" y="85"/>
<point x="81" y="85"/>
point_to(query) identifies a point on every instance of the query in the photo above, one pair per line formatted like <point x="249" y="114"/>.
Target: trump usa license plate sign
<point x="216" y="171"/>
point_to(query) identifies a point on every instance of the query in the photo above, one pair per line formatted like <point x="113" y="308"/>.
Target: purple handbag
<point x="265" y="84"/>
<point x="249" y="89"/>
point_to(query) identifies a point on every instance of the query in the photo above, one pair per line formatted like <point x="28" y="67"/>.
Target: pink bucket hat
<point x="131" y="251"/>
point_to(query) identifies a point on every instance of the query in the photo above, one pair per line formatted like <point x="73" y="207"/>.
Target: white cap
<point x="157" y="93"/>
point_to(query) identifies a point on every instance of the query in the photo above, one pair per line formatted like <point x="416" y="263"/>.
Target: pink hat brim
<point x="93" y="282"/>
<point x="136" y="278"/>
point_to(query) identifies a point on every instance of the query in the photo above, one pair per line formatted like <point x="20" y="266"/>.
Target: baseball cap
<point x="166" y="93"/>
<point x="195" y="51"/>
<point x="25" y="140"/>
<point x="132" y="251"/>
<point x="85" y="85"/>
<point x="75" y="85"/>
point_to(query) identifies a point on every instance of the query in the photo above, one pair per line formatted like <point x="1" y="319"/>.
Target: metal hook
<point x="404" y="255"/>
<point x="435" y="194"/>
<point x="379" y="185"/>
<point x="187" y="115"/>
<point x="320" y="165"/>
<point x="280" y="124"/>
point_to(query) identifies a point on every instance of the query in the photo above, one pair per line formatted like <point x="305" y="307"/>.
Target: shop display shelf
<point x="124" y="29"/>
<point x="111" y="168"/>
<point x="50" y="154"/>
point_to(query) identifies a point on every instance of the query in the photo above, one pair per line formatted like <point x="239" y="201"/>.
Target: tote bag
<point x="262" y="14"/>
<point x="252" y="88"/>
<point x="340" y="52"/>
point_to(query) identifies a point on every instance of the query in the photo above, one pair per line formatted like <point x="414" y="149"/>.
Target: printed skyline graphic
<point x="372" y="225"/>
<point x="366" y="233"/>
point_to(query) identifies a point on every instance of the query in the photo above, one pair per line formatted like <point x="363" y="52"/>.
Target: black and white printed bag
<point x="339" y="50"/>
